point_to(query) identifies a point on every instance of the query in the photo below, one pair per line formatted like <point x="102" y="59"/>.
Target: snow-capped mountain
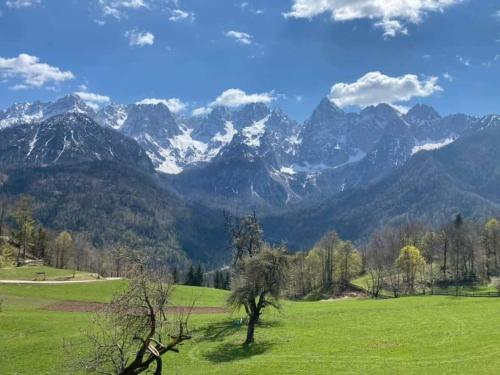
<point x="246" y="172"/>
<point x="67" y="138"/>
<point x="256" y="156"/>
<point x="21" y="113"/>
<point x="113" y="115"/>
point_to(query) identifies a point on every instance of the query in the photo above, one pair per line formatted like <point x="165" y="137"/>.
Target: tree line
<point x="414" y="257"/>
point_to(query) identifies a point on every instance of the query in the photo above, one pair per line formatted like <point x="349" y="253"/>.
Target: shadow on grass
<point x="230" y="351"/>
<point x="219" y="331"/>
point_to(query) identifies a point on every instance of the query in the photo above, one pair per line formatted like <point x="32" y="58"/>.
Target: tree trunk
<point x="251" y="328"/>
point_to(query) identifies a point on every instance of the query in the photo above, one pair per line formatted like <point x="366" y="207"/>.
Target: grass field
<point x="417" y="335"/>
<point x="29" y="273"/>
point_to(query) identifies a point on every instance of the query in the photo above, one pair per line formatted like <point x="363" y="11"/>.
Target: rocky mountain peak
<point x="422" y="112"/>
<point x="68" y="103"/>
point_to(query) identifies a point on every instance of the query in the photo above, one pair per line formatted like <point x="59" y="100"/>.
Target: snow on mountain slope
<point x="113" y="115"/>
<point x="69" y="138"/>
<point x="253" y="133"/>
<point x="331" y="151"/>
<point x="29" y="113"/>
<point x="430" y="145"/>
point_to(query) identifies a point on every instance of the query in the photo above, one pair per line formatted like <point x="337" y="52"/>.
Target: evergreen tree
<point x="227" y="280"/>
<point x="40" y="244"/>
<point x="175" y="275"/>
<point x="190" y="277"/>
<point x="199" y="276"/>
<point x="217" y="283"/>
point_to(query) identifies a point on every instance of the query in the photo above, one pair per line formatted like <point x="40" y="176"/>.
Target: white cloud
<point x="21" y="3"/>
<point x="246" y="7"/>
<point x="175" y="105"/>
<point x="201" y="111"/>
<point x="400" y="108"/>
<point x="140" y="38"/>
<point x="93" y="100"/>
<point x="391" y="28"/>
<point x="375" y="88"/>
<point x="464" y="61"/>
<point x="390" y="15"/>
<point x="447" y="76"/>
<point x="237" y="97"/>
<point x="240" y="37"/>
<point x="118" y="8"/>
<point x="233" y="98"/>
<point x="177" y="15"/>
<point x="497" y="14"/>
<point x="31" y="72"/>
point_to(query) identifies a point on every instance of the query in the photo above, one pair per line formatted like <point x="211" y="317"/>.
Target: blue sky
<point x="290" y="53"/>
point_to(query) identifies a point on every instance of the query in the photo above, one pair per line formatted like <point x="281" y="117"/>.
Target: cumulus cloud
<point x="239" y="36"/>
<point x="237" y="97"/>
<point x="390" y="15"/>
<point x="29" y="72"/>
<point x="21" y="3"/>
<point x="175" y="105"/>
<point x="140" y="38"/>
<point x="177" y="15"/>
<point x="118" y="8"/>
<point x="233" y="98"/>
<point x="93" y="100"/>
<point x="375" y="88"/>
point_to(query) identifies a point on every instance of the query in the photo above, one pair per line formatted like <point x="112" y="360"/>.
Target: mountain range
<point x="348" y="171"/>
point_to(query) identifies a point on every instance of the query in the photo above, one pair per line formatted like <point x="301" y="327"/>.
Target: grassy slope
<point x="431" y="335"/>
<point x="29" y="273"/>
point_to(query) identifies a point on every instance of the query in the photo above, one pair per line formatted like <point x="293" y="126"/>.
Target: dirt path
<point x="58" y="281"/>
<point x="78" y="306"/>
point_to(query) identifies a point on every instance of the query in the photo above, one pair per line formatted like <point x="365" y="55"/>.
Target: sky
<point x="194" y="55"/>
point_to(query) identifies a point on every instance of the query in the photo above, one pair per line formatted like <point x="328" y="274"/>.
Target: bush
<point x="315" y="295"/>
<point x="496" y="283"/>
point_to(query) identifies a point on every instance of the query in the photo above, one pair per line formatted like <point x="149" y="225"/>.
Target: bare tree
<point x="134" y="332"/>
<point x="246" y="236"/>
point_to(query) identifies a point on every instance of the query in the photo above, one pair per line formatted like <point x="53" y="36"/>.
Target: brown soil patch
<point x="78" y="306"/>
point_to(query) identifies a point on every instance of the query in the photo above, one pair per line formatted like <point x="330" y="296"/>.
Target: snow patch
<point x="429" y="146"/>
<point x="227" y="137"/>
<point x="313" y="169"/>
<point x="254" y="133"/>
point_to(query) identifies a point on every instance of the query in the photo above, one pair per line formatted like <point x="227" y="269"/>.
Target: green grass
<point x="103" y="291"/>
<point x="29" y="273"/>
<point x="417" y="335"/>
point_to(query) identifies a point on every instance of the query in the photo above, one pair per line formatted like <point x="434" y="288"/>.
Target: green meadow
<point x="412" y="335"/>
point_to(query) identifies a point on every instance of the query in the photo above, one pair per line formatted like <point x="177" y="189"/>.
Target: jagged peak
<point x="423" y="112"/>
<point x="382" y="110"/>
<point x="69" y="118"/>
<point x="254" y="109"/>
<point x="325" y="112"/>
<point x="326" y="104"/>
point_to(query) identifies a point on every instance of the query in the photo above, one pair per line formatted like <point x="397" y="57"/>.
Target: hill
<point x="431" y="187"/>
<point x="91" y="179"/>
